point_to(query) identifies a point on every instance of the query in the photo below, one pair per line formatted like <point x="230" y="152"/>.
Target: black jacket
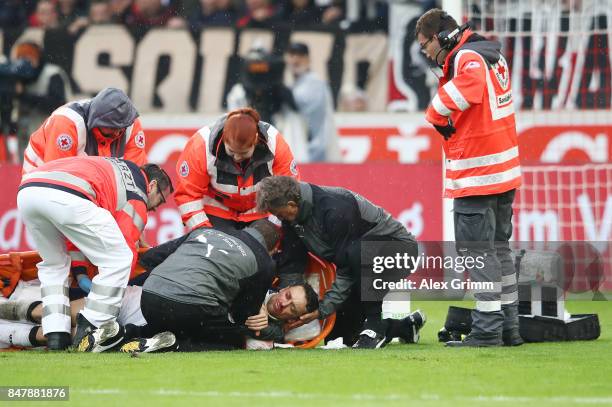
<point x="229" y="270"/>
<point x="331" y="221"/>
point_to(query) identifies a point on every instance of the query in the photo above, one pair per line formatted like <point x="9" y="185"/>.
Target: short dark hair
<point x="433" y="22"/>
<point x="298" y="48"/>
<point x="275" y="192"/>
<point x="269" y="231"/>
<point x="312" y="299"/>
<point x="155" y="172"/>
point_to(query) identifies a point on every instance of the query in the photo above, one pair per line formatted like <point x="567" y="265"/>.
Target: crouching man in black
<point x="335" y="224"/>
<point x="206" y="291"/>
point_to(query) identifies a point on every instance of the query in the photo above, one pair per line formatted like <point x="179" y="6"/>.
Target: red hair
<point x="241" y="129"/>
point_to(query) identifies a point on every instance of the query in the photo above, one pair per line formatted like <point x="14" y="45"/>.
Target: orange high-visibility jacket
<point x="482" y="157"/>
<point x="210" y="182"/>
<point x="119" y="186"/>
<point x="65" y="134"/>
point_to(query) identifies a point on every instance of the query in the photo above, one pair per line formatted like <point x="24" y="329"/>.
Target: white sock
<point x="15" y="333"/>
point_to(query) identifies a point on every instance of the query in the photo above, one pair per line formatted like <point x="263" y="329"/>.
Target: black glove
<point x="446" y="131"/>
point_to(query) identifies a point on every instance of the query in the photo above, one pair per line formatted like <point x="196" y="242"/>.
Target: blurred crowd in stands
<point x="75" y="15"/>
<point x="302" y="109"/>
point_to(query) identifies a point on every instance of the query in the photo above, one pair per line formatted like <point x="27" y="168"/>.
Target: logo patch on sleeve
<point x="140" y="139"/>
<point x="293" y="167"/>
<point x="500" y="69"/>
<point x="184" y="169"/>
<point x="64" y="142"/>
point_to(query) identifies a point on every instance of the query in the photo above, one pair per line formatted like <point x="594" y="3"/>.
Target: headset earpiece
<point x="448" y="38"/>
<point x="443" y="39"/>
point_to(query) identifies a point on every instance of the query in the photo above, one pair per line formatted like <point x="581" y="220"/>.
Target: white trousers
<point x="130" y="312"/>
<point x="50" y="215"/>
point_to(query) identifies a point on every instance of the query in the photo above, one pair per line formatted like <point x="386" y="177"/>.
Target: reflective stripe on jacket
<point x="119" y="186"/>
<point x="65" y="134"/>
<point x="482" y="157"/>
<point x="211" y="183"/>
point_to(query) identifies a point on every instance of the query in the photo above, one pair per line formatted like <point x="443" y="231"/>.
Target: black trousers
<point x="355" y="314"/>
<point x="352" y="314"/>
<point x="350" y="317"/>
<point x="483" y="227"/>
<point x="197" y="327"/>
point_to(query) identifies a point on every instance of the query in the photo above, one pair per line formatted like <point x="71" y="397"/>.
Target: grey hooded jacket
<point x="111" y="108"/>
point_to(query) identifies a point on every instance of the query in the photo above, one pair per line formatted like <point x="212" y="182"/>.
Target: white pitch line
<point x="352" y="397"/>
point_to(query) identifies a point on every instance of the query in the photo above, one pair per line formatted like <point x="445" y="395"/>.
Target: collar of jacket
<point x="225" y="163"/>
<point x="306" y="204"/>
<point x="489" y="50"/>
<point x="447" y="61"/>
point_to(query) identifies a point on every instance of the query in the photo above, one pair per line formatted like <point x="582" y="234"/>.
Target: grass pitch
<point x="427" y="374"/>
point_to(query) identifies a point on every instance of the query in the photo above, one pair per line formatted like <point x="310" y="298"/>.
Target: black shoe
<point x="414" y="322"/>
<point x="107" y="336"/>
<point x="368" y="339"/>
<point x="445" y="335"/>
<point x="58" y="340"/>
<point x="512" y="338"/>
<point x="474" y="342"/>
<point x="162" y="342"/>
<point x="83" y="328"/>
<point x="406" y="329"/>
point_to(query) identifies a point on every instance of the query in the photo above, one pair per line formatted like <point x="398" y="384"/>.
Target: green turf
<point x="426" y="374"/>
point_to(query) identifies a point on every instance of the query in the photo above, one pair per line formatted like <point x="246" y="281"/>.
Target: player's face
<point x="287" y="213"/>
<point x="289" y="303"/>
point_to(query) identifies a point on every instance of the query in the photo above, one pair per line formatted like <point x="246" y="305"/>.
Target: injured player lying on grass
<point x="207" y="289"/>
<point x="21" y="316"/>
<point x="20" y="325"/>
